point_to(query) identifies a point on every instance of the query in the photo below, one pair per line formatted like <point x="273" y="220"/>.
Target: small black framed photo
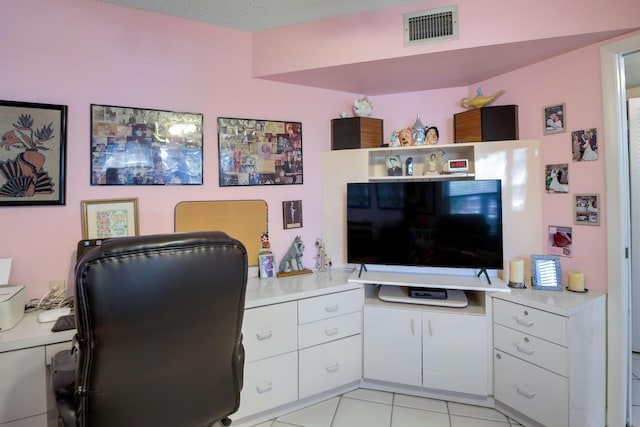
<point x="555" y="119"/>
<point x="292" y="214"/>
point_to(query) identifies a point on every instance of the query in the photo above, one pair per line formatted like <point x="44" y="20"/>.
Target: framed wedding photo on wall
<point x="32" y="153"/>
<point x="555" y="119"/>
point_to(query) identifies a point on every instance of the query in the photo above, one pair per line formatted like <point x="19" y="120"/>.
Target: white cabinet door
<point x="392" y="345"/>
<point x="22" y="384"/>
<point x="455" y="353"/>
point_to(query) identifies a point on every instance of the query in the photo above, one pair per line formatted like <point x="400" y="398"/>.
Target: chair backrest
<point x="159" y="323"/>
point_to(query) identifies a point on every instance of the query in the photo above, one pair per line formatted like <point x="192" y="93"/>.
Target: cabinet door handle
<point x="413" y="331"/>
<point x="524" y="321"/>
<point x="332" y="308"/>
<point x="264" y="387"/>
<point x="530" y="394"/>
<point x="526" y="349"/>
<point x="333" y="367"/>
<point x="331" y="332"/>
<point x="264" y="335"/>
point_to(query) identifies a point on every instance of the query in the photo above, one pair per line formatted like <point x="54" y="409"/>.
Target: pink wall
<point x="78" y="52"/>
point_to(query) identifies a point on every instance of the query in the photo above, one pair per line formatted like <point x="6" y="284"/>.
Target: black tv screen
<point x="444" y="223"/>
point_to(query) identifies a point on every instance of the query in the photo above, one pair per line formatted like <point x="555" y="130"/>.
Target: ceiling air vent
<point x="431" y="25"/>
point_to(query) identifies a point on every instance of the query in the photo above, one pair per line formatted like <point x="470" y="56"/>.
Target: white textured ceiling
<point x="257" y="15"/>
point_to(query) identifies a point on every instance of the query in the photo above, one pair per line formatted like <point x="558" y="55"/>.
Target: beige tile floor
<point x="370" y="408"/>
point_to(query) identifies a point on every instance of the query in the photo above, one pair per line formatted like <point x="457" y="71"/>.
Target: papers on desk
<point x="5" y="270"/>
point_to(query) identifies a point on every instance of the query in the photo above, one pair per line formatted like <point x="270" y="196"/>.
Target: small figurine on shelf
<point x="265" y="246"/>
<point x="432" y="135"/>
<point x="405" y="136"/>
<point x="292" y="261"/>
<point x="323" y="262"/>
<point x="479" y="100"/>
<point x="418" y="132"/>
<point x="362" y="107"/>
<point x="394" y="139"/>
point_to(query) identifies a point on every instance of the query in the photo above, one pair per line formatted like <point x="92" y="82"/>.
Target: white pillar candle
<point x="516" y="271"/>
<point x="576" y="281"/>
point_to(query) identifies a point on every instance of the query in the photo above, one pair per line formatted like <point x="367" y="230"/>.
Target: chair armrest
<point x="63" y="373"/>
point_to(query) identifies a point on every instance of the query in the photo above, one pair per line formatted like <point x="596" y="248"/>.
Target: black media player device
<point x="428" y="293"/>
<point x="409" y="164"/>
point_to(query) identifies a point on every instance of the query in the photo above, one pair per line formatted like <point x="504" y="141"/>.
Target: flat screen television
<point x="444" y="223"/>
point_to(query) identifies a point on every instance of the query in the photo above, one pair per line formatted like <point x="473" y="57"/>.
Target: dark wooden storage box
<point x="486" y="124"/>
<point x="356" y="132"/>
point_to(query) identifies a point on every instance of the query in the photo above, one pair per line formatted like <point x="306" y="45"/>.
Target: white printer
<point x="12" y="298"/>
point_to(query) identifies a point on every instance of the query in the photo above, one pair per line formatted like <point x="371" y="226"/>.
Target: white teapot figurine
<point x="362" y="107"/>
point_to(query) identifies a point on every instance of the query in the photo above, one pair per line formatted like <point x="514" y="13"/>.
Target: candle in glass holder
<point x="516" y="273"/>
<point x="576" y="281"/>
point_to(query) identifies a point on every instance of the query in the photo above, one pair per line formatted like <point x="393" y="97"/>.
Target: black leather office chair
<point x="158" y="333"/>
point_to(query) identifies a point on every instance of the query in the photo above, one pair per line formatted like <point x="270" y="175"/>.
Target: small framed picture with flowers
<point x="33" y="140"/>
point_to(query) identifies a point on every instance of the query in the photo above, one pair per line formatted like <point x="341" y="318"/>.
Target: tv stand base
<point x="455" y="297"/>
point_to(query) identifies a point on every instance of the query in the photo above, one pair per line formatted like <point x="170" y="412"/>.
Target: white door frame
<point x="618" y="230"/>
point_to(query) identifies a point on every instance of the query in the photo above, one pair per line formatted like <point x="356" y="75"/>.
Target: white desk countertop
<point x="276" y="290"/>
<point x="29" y="333"/>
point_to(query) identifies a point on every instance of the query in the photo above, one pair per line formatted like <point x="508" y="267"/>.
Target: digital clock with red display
<point x="458" y="165"/>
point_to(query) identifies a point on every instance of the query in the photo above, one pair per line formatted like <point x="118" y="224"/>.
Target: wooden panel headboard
<point x="244" y="220"/>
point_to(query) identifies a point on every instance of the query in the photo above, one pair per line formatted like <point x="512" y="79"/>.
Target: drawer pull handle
<point x="525" y="322"/>
<point x="330" y="332"/>
<point x="265" y="335"/>
<point x="530" y="394"/>
<point x="525" y="349"/>
<point x="332" y="308"/>
<point x="264" y="388"/>
<point x="333" y="367"/>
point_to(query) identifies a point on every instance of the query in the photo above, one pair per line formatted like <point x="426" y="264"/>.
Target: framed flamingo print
<point x="33" y="140"/>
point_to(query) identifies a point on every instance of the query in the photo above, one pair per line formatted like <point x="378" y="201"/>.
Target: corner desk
<point x="310" y="337"/>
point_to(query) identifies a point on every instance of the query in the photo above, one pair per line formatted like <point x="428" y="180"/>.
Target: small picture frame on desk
<point x="546" y="274"/>
<point x="267" y="265"/>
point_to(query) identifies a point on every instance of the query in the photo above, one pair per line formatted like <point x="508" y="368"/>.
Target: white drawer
<point x="322" y="331"/>
<point x="330" y="365"/>
<point x="532" y="349"/>
<point x="533" y="391"/>
<point x="331" y="305"/>
<point x="542" y="324"/>
<point x="270" y="330"/>
<point x="268" y="383"/>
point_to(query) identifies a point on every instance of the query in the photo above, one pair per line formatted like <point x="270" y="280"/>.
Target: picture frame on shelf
<point x="108" y="218"/>
<point x="394" y="165"/>
<point x="586" y="209"/>
<point x="292" y="214"/>
<point x="555" y="119"/>
<point x="33" y="154"/>
<point x="267" y="265"/>
<point x="259" y="152"/>
<point x="138" y="146"/>
<point x="546" y="274"/>
<point x="433" y="163"/>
